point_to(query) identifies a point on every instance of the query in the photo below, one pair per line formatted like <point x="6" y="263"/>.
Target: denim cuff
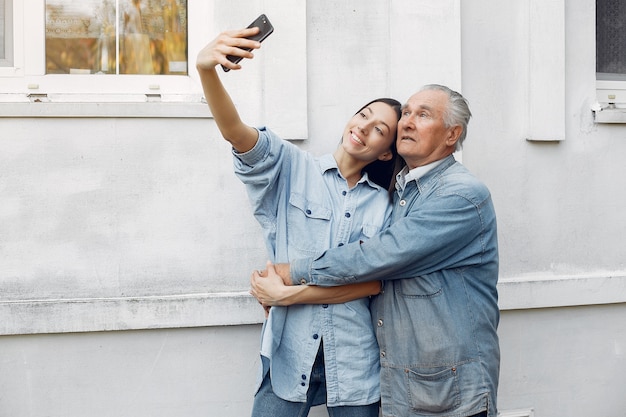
<point x="300" y="271"/>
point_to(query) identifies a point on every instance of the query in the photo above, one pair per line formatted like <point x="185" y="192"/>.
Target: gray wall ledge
<point x="238" y="308"/>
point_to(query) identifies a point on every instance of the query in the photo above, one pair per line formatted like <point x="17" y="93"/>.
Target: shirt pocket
<point x="433" y="390"/>
<point x="308" y="226"/>
<point x="424" y="286"/>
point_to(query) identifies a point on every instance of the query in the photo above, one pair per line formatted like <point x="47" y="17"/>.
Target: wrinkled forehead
<point x="433" y="100"/>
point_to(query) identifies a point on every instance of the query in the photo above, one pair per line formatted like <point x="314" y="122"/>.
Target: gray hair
<point x="457" y="112"/>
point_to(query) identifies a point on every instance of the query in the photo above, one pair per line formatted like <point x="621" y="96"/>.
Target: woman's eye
<point x="362" y="114"/>
<point x="379" y="130"/>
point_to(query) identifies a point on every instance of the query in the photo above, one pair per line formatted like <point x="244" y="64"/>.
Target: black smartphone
<point x="265" y="30"/>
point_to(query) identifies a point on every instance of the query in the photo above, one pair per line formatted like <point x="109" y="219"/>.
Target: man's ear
<point x="454" y="133"/>
<point x="386" y="156"/>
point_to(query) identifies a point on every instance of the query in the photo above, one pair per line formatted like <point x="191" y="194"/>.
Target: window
<point x="611" y="51"/>
<point x="77" y="58"/>
<point x="611" y="40"/>
<point x="88" y="47"/>
<point x="116" y="37"/>
<point x="6" y="33"/>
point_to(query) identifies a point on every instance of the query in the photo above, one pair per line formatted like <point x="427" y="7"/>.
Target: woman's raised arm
<point x="240" y="135"/>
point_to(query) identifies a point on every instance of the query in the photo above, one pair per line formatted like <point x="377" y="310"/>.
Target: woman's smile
<point x="356" y="139"/>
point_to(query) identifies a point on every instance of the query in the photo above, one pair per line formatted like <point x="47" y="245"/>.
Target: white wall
<point x="176" y="372"/>
<point x="141" y="224"/>
<point x="559" y="215"/>
<point x="558" y="204"/>
<point x="564" y="361"/>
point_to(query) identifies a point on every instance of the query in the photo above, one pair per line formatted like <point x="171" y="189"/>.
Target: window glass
<point x="2" y="31"/>
<point x="6" y="33"/>
<point x="611" y="39"/>
<point x="116" y="37"/>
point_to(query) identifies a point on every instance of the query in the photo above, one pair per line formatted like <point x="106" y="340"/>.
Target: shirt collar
<point x="328" y="162"/>
<point x="405" y="175"/>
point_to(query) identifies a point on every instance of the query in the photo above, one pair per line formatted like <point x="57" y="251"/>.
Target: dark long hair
<point x="382" y="172"/>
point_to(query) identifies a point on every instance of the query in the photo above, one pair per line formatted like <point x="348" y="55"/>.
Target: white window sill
<point x="102" y="105"/>
<point x="609" y="114"/>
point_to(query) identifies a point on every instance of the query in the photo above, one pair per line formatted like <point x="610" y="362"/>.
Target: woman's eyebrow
<point x="381" y="121"/>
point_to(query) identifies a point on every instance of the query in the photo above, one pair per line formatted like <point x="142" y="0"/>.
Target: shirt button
<point x="303" y="384"/>
<point x="382" y="353"/>
<point x="380" y="323"/>
<point x="303" y="281"/>
<point x="402" y="203"/>
<point x="347" y="214"/>
<point x="303" y="377"/>
<point x="341" y="244"/>
<point x="344" y="193"/>
<point x="308" y="212"/>
<point x="324" y="305"/>
<point x="315" y="336"/>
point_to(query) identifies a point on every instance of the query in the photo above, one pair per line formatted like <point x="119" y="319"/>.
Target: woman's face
<point x="369" y="133"/>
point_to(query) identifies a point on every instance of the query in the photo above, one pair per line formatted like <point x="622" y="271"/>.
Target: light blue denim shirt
<point x="437" y="317"/>
<point x="304" y="206"/>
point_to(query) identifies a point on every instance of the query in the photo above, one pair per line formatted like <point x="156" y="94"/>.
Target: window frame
<point x="278" y="73"/>
<point x="28" y="74"/>
<point x="610" y="88"/>
<point x="610" y="106"/>
<point x="8" y="37"/>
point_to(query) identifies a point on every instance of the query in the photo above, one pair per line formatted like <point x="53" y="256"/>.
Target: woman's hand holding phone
<point x="233" y="43"/>
<point x="232" y="46"/>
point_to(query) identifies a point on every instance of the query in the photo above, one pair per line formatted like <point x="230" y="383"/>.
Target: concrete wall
<point x="139" y="225"/>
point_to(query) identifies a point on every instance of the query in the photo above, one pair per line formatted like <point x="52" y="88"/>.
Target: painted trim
<point x="524" y="293"/>
<point x="546" y="72"/>
<point x="128" y="313"/>
<point x="105" y="109"/>
<point x="238" y="308"/>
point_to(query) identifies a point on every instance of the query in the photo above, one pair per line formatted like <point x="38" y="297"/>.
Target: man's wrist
<point x="283" y="270"/>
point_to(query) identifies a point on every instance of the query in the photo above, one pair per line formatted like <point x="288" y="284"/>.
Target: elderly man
<point x="437" y="315"/>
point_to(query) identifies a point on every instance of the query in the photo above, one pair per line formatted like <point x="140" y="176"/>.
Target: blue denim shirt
<point x="304" y="206"/>
<point x="438" y="315"/>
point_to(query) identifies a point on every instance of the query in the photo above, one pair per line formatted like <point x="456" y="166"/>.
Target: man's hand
<point x="270" y="290"/>
<point x="284" y="271"/>
<point x="268" y="286"/>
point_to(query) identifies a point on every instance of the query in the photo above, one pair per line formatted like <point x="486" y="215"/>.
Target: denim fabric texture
<point x="436" y="320"/>
<point x="268" y="404"/>
<point x="304" y="206"/>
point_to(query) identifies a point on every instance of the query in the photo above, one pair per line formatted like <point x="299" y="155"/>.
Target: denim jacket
<point x="305" y="206"/>
<point x="437" y="317"/>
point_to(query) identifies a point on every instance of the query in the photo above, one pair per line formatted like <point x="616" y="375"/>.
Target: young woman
<point x="323" y="353"/>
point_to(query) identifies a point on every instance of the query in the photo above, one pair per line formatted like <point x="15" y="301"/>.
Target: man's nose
<point x="406" y="123"/>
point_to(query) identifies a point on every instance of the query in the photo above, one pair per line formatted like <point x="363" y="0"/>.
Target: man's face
<point x="422" y="135"/>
